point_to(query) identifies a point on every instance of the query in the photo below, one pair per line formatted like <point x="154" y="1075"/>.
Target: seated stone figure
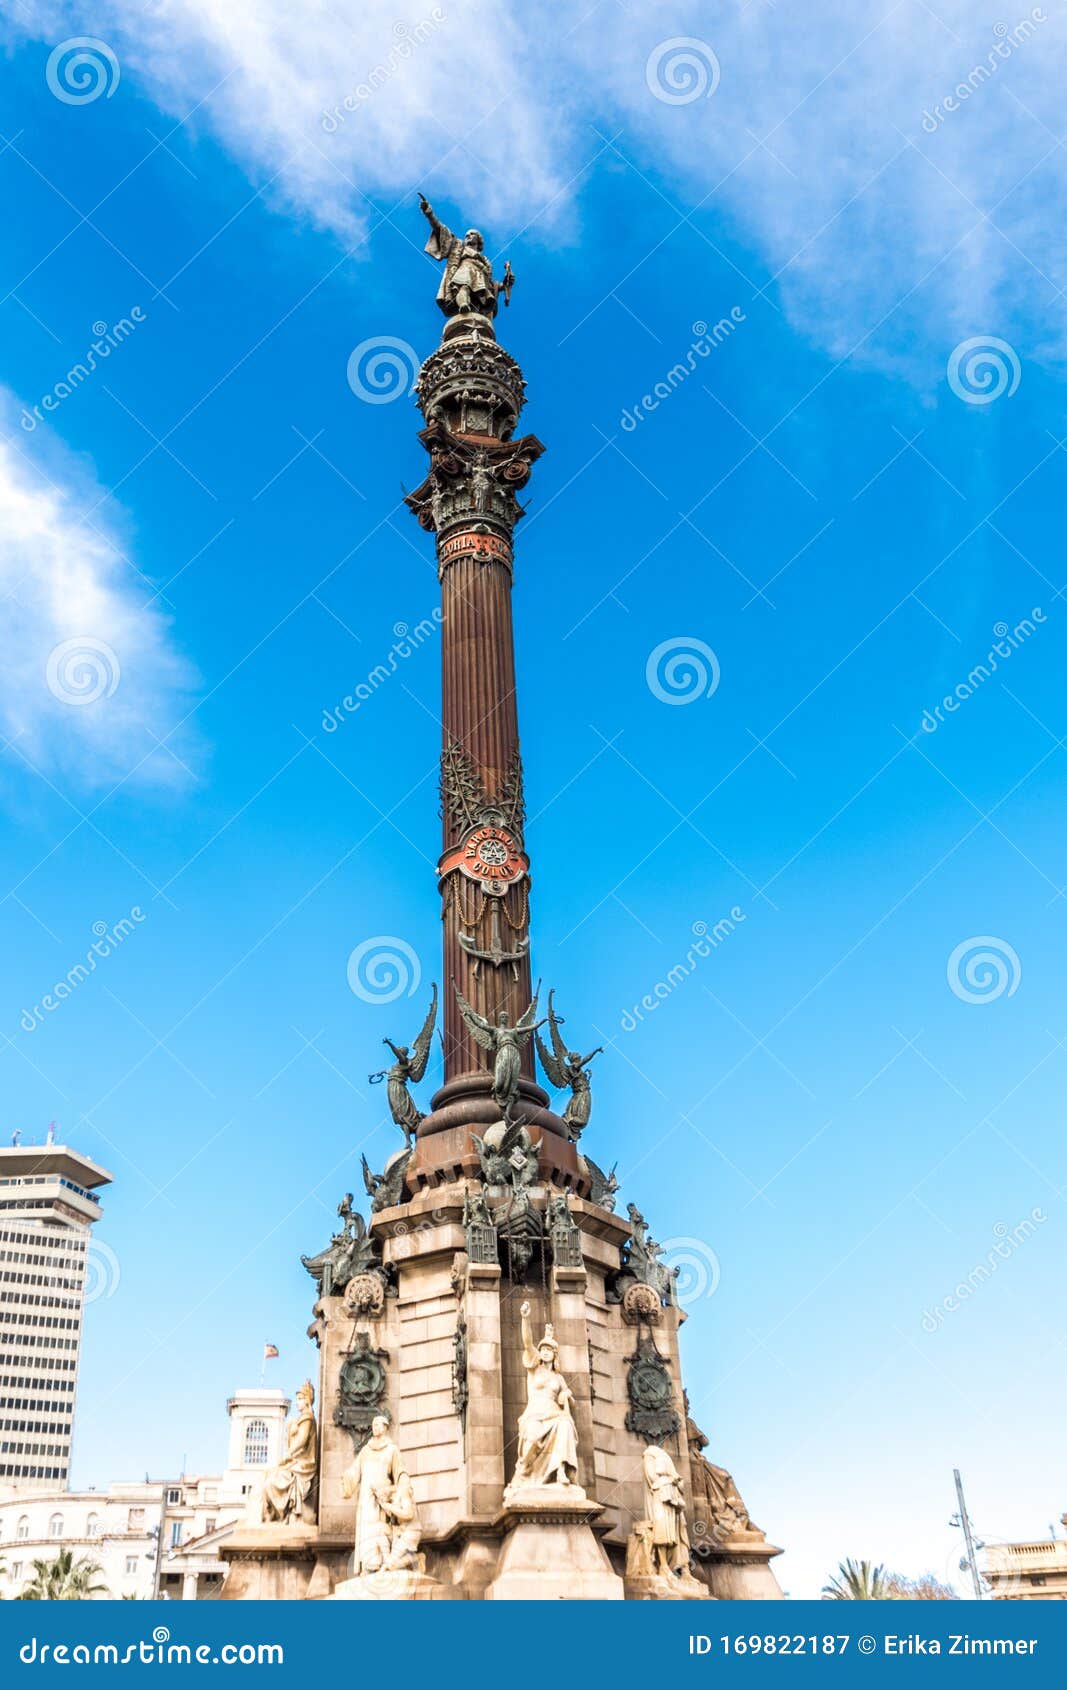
<point x="548" y="1441"/>
<point x="718" y="1511"/>
<point x="289" y="1489"/>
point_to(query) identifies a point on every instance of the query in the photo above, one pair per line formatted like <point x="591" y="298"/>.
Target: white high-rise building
<point x="47" y="1210"/>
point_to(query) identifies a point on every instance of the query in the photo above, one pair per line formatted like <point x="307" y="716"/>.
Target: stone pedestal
<point x="644" y="1589"/>
<point x="405" y="1585"/>
<point x="270" y="1563"/>
<point x="550" y="1551"/>
<point x="739" y="1569"/>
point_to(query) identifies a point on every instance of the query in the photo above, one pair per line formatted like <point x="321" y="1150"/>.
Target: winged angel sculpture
<point x="505" y="1043"/>
<point x="409" y="1065"/>
<point x="568" y="1068"/>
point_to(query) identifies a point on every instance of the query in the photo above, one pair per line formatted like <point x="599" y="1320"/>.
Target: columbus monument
<point x="501" y="1410"/>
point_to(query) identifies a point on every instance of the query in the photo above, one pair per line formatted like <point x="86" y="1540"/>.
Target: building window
<point x="256" y="1436"/>
<point x="16" y="1570"/>
<point x="22" y="1530"/>
<point x="175" y="1533"/>
<point x="92" y="1526"/>
<point x="131" y="1563"/>
<point x="135" y="1520"/>
<point x="55" y="1526"/>
<point x="174" y="1495"/>
<point x="210" y="1526"/>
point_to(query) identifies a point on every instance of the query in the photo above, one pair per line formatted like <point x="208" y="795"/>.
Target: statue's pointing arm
<point x="529" y="1354"/>
<point x="441" y="239"/>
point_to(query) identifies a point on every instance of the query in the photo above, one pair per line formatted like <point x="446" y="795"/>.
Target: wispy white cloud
<point x="90" y="683"/>
<point x="331" y="100"/>
<point x="882" y="231"/>
<point x="891" y="221"/>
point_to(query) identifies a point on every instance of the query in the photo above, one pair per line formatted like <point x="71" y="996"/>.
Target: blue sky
<point x="826" y="1131"/>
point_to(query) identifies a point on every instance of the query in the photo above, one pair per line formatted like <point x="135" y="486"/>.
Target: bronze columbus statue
<point x="468" y="283"/>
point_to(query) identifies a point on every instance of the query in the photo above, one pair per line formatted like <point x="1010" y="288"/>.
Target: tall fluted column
<point x="471" y="392"/>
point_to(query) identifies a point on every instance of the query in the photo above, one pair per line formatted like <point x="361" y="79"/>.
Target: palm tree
<point x="63" y="1580"/>
<point x="926" y="1588"/>
<point x="858" y="1581"/>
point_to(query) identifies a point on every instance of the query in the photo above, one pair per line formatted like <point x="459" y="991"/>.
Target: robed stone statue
<point x="387" y="1525"/>
<point x="289" y="1488"/>
<point x="659" y="1544"/>
<point x="548" y="1441"/>
<point x="468" y="283"/>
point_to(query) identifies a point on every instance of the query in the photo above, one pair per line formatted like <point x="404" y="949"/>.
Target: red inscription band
<point x="484" y="548"/>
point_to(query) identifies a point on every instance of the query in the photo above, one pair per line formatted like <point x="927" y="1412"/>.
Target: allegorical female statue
<point x="548" y="1442"/>
<point x="409" y="1065"/>
<point x="289" y="1488"/>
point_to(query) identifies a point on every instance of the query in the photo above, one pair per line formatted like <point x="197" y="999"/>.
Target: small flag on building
<point x="270" y="1352"/>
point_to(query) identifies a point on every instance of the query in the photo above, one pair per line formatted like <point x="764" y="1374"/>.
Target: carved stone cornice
<point x="475" y="385"/>
<point x="472" y="486"/>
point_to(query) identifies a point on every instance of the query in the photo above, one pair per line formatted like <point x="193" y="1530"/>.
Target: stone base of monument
<point x="665" y="1589"/>
<point x="550" y="1551"/>
<point x="270" y="1562"/>
<point x="739" y="1569"/>
<point x="401" y="1585"/>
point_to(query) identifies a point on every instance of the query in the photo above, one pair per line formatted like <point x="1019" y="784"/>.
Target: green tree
<point x="859" y="1581"/>
<point x="63" y="1580"/>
